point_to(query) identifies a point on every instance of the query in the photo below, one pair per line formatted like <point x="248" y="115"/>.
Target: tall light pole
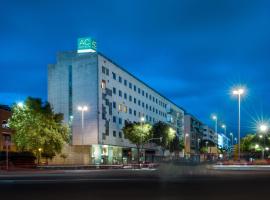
<point x="239" y="92"/>
<point x="263" y="129"/>
<point x="225" y="129"/>
<point x="82" y="109"/>
<point x="186" y="147"/>
<point x="142" y="120"/>
<point x="215" y="118"/>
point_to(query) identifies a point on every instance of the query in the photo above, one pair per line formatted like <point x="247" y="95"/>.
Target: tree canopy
<point x="161" y="129"/>
<point x="37" y="128"/>
<point x="137" y="133"/>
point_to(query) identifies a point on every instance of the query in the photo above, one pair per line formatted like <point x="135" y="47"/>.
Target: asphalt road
<point x="169" y="182"/>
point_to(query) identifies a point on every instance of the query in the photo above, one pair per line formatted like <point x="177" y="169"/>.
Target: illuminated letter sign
<point x="86" y="45"/>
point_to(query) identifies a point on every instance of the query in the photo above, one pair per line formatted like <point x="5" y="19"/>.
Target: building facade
<point x="210" y="139"/>
<point x="193" y="129"/>
<point x="110" y="96"/>
<point x="224" y="142"/>
<point x="5" y="132"/>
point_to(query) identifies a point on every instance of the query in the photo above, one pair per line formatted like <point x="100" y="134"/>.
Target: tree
<point x="37" y="128"/>
<point x="161" y="129"/>
<point x="176" y="145"/>
<point x="137" y="133"/>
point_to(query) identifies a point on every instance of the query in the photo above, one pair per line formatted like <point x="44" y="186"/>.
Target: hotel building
<point x="97" y="96"/>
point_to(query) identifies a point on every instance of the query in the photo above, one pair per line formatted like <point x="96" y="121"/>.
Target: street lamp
<point x="215" y="118"/>
<point x="225" y="129"/>
<point x="20" y="104"/>
<point x="263" y="128"/>
<point x="238" y="92"/>
<point x="82" y="109"/>
<point x="142" y="120"/>
<point x="186" y="147"/>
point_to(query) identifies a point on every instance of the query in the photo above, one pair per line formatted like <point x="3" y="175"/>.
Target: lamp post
<point x="142" y="120"/>
<point x="225" y="129"/>
<point x="215" y="118"/>
<point x="239" y="92"/>
<point x="186" y="136"/>
<point x="82" y="109"/>
<point x="263" y="129"/>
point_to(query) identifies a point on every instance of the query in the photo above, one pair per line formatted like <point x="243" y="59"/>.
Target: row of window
<point x="125" y="109"/>
<point x="120" y="120"/>
<point x="134" y="87"/>
<point x="138" y="102"/>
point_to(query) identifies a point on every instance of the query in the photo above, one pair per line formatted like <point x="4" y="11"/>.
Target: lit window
<point x="119" y="107"/>
<point x="103" y="84"/>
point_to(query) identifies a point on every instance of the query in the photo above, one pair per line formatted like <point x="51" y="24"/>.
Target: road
<point x="168" y="182"/>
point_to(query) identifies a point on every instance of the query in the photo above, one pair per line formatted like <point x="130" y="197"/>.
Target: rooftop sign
<point x="86" y="44"/>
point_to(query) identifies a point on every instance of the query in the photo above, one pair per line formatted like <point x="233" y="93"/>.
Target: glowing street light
<point x="82" y="109"/>
<point x="256" y="146"/>
<point x="215" y="118"/>
<point x="238" y="92"/>
<point x="225" y="129"/>
<point x="263" y="128"/>
<point x="20" y="104"/>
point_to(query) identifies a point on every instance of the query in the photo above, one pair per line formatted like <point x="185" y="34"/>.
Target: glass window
<point x="114" y="119"/>
<point x="130" y="111"/>
<point x="134" y="112"/>
<point x="125" y="95"/>
<point x="130" y="85"/>
<point x="103" y="84"/>
<point x="114" y="133"/>
<point x="135" y="88"/>
<point x="103" y="70"/>
<point x="125" y="82"/>
<point x="139" y="102"/>
<point x="114" y="76"/>
<point x="134" y="100"/>
<point x="120" y="134"/>
<point x="114" y="90"/>
<point x="107" y="72"/>
<point x="120" y="79"/>
<point x="143" y="92"/>
<point x="146" y="94"/>
<point x="143" y="104"/>
<point x="130" y="98"/>
<point x="120" y="93"/>
<point x="139" y="90"/>
<point x="114" y="104"/>
<point x="120" y="120"/>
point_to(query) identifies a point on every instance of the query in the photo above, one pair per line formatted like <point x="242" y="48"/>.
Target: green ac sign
<point x="86" y="44"/>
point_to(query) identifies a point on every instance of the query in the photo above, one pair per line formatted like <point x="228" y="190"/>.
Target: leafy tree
<point x="161" y="129"/>
<point x="176" y="144"/>
<point x="38" y="129"/>
<point x="137" y="133"/>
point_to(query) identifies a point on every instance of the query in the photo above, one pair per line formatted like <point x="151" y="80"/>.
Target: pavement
<point x="166" y="182"/>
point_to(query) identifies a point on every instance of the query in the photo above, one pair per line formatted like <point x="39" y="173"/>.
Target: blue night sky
<point x="192" y="51"/>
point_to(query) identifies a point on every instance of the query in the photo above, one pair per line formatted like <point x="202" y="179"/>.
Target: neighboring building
<point x="111" y="95"/>
<point x="210" y="139"/>
<point x="193" y="134"/>
<point x="209" y="135"/>
<point x="5" y="132"/>
<point x="223" y="141"/>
